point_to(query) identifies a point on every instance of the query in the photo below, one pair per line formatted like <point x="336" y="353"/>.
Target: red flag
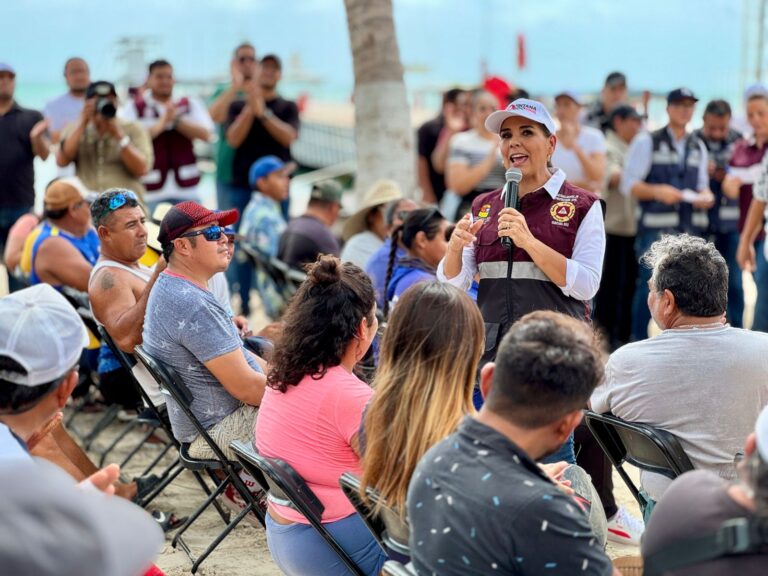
<point x="520" y="51"/>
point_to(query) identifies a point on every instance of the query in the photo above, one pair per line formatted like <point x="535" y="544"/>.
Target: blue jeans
<point x="727" y="243"/>
<point x="565" y="453"/>
<point x="299" y="550"/>
<point x="760" y="322"/>
<point x="641" y="315"/>
<point x="8" y="217"/>
<point x="240" y="272"/>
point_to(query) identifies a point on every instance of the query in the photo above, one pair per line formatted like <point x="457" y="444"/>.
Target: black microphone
<point x="513" y="176"/>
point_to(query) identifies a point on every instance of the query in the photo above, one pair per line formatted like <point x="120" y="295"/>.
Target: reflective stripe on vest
<point x="728" y="212"/>
<point x="520" y="271"/>
<point x="661" y="220"/>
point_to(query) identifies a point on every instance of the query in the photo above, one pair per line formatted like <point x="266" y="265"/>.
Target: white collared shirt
<point x="582" y="271"/>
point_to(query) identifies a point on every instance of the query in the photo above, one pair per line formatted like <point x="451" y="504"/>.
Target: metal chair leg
<point x="194" y="516"/>
<point x="172" y="474"/>
<point x="157" y="459"/>
<point x="138" y="446"/>
<point x="127" y="429"/>
<point x="109" y="416"/>
<point x="224" y="533"/>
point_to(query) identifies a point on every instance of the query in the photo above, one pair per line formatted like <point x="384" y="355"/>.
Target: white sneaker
<point x="624" y="528"/>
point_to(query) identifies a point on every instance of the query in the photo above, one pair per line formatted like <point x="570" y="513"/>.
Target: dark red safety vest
<point x="554" y="222"/>
<point x="173" y="152"/>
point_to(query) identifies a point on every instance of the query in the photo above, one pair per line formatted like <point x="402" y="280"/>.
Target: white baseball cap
<point x="531" y="109"/>
<point x="41" y="331"/>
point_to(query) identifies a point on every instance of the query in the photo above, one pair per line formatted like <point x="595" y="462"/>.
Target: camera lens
<point x="105" y="108"/>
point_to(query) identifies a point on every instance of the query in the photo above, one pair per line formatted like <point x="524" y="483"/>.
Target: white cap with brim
<point x="49" y="526"/>
<point x="530" y="109"/>
<point x="41" y="331"/>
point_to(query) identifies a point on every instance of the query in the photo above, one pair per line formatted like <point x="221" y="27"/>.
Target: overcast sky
<point x="660" y="44"/>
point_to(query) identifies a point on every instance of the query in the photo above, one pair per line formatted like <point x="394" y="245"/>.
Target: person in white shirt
<point x="66" y="109"/>
<point x="700" y="379"/>
<point x="580" y="152"/>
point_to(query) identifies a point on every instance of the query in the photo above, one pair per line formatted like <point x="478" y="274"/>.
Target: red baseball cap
<point x="189" y="214"/>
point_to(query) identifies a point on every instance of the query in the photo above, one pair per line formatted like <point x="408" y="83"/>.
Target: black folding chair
<point x="286" y="488"/>
<point x="79" y="301"/>
<point x="640" y="445"/>
<point x="394" y="568"/>
<point x="286" y="279"/>
<point x="171" y="383"/>
<point x="158" y="419"/>
<point x="389" y="529"/>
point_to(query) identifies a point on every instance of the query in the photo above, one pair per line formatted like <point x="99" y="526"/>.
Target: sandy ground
<point x="244" y="552"/>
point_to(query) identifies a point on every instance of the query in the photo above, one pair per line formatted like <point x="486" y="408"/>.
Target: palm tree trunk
<point x="383" y="132"/>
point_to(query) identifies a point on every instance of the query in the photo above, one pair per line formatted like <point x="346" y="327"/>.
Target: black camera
<point x="105" y="108"/>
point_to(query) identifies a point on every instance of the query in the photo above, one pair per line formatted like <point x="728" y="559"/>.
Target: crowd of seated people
<point x="469" y="482"/>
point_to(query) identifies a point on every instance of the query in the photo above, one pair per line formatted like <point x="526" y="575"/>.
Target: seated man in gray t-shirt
<point x="700" y="379"/>
<point x="186" y="327"/>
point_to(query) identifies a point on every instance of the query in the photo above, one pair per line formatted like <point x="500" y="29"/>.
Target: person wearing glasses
<point x="423" y="233"/>
<point x="64" y="247"/>
<point x="186" y="327"/>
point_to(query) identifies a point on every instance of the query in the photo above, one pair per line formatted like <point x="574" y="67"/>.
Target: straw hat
<point x="382" y="192"/>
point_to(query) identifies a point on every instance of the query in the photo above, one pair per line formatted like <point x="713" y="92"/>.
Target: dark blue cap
<point x="264" y="166"/>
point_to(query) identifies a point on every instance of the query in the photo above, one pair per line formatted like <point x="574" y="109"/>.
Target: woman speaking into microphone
<point x="558" y="239"/>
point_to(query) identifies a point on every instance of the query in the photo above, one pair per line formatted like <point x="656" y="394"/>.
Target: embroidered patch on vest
<point x="485" y="210"/>
<point x="562" y="211"/>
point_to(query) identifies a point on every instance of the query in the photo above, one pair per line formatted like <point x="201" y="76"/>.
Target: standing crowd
<point x="443" y="350"/>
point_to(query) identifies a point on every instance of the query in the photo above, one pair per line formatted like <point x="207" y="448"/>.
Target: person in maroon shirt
<point x="742" y="173"/>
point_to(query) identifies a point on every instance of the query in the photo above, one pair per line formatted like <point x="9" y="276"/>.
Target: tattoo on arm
<point x="107" y="281"/>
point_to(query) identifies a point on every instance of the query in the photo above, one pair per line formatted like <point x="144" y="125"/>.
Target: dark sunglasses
<point x="120" y="199"/>
<point x="212" y="233"/>
<point x="244" y="59"/>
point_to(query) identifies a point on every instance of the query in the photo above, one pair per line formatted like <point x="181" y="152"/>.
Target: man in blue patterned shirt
<point x="263" y="221"/>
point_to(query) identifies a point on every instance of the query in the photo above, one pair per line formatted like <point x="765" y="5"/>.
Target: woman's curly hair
<point x="320" y="322"/>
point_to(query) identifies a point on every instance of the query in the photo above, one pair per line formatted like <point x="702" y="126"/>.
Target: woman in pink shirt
<point x="311" y="413"/>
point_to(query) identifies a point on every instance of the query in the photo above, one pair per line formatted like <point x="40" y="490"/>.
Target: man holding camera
<point x="107" y="151"/>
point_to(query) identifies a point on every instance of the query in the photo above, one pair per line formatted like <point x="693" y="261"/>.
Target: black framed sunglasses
<point x="212" y="233"/>
<point x="244" y="59"/>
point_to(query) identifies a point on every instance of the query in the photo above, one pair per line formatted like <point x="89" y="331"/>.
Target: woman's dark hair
<point x="320" y="322"/>
<point x="427" y="220"/>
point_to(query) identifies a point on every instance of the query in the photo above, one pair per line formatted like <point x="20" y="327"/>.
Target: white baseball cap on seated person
<point x="41" y="331"/>
<point x="531" y="109"/>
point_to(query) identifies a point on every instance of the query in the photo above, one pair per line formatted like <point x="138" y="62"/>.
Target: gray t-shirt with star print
<point x="185" y="326"/>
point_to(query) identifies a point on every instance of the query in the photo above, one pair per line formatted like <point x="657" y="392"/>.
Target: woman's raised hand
<point x="464" y="234"/>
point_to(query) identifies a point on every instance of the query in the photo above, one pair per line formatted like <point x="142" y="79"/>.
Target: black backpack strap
<point x="735" y="536"/>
